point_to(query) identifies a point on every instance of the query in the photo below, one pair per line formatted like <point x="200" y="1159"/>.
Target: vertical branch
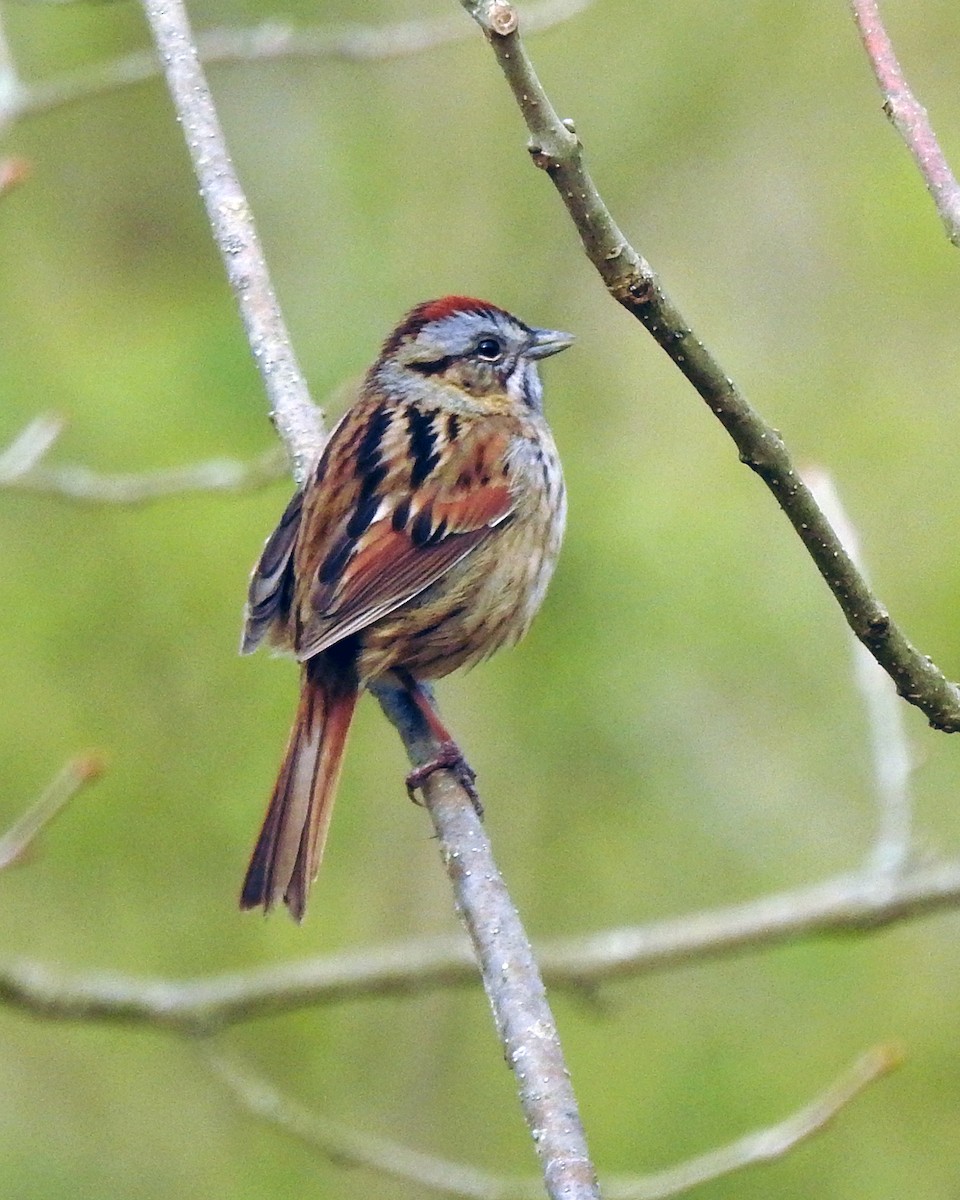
<point x="10" y="86"/>
<point x="510" y="975"/>
<point x="291" y="410"/>
<point x="889" y="750"/>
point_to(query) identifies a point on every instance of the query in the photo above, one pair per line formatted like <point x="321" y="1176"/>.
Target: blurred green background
<point x="681" y="728"/>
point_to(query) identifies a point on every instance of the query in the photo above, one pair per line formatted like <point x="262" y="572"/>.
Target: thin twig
<point x="297" y="421"/>
<point x="19" y="839"/>
<point x="89" y="487"/>
<point x="889" y="751"/>
<point x="348" y="1146"/>
<point x="29" y="447"/>
<point x="273" y="40"/>
<point x="343" y="1144"/>
<point x="844" y="906"/>
<point x="22" y="469"/>
<point x="764" y="1145"/>
<point x="908" y="116"/>
<point x="631" y="280"/>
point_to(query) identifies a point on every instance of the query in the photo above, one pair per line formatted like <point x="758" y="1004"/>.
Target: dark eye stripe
<point x="437" y="367"/>
<point x="423" y="444"/>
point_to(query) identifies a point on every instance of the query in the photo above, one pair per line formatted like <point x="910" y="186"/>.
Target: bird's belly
<point x="485" y="602"/>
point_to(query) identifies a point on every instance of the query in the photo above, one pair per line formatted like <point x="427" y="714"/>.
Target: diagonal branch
<point x="291" y="410"/>
<point x="342" y="1144"/>
<point x="632" y="282"/>
<point x="509" y="970"/>
<point x="20" y="837"/>
<point x="764" y="1145"/>
<point x="908" y="116"/>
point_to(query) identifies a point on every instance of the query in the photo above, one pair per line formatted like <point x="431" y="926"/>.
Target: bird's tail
<point x="287" y="855"/>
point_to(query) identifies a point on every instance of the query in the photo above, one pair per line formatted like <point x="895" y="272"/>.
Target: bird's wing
<point x="271" y="585"/>
<point x="400" y="499"/>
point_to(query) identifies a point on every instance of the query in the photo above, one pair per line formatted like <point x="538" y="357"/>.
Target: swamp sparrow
<point x="423" y="541"/>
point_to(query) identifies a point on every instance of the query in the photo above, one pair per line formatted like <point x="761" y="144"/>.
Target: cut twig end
<point x="503" y="19"/>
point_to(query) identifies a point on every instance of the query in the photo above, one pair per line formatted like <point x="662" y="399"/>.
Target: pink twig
<point x="908" y="116"/>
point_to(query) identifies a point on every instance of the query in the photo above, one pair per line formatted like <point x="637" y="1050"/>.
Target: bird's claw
<point x="449" y="757"/>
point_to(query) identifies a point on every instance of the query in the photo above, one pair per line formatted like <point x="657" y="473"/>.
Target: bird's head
<point x="476" y="352"/>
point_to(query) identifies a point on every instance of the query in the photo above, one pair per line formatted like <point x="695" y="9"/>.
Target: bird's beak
<point x="548" y="341"/>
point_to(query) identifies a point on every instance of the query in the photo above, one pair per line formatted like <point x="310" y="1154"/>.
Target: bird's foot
<point x="449" y="757"/>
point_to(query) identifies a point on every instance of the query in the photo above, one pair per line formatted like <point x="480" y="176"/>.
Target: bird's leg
<point x="449" y="756"/>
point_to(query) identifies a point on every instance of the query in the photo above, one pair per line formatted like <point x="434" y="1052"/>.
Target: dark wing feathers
<point x="270" y="594"/>
<point x="400" y="496"/>
<point x="389" y="521"/>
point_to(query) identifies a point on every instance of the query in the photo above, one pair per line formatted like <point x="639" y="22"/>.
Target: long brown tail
<point x="287" y="855"/>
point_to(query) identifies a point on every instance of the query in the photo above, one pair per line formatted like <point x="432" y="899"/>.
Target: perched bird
<point x="423" y="541"/>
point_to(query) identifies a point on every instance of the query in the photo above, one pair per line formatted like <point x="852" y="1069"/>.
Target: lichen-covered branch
<point x="908" y="116"/>
<point x="630" y="279"/>
<point x="509" y="970"/>
<point x="297" y="420"/>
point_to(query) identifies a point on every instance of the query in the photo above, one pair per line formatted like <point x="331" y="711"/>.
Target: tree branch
<point x="509" y="972"/>
<point x="22" y="469"/>
<point x="908" y="116"/>
<point x="889" y="750"/>
<point x="270" y="40"/>
<point x="343" y="1144"/>
<point x="632" y="282"/>
<point x="297" y="421"/>
<point x="846" y="905"/>
<point x="765" y="1145"/>
<point x="76" y="775"/>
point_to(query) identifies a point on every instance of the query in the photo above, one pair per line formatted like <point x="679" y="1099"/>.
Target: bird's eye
<point x="490" y="349"/>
